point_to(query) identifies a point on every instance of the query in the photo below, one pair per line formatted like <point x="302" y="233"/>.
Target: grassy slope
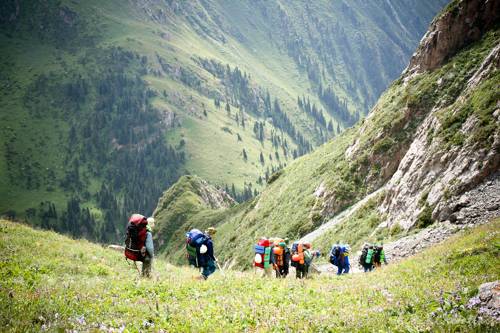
<point x="72" y="284"/>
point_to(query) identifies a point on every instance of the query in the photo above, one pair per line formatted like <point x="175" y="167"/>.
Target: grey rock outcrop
<point x="464" y="23"/>
<point x="433" y="175"/>
<point x="487" y="301"/>
<point x="213" y="197"/>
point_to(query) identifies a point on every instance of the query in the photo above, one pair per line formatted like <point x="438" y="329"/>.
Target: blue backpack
<point x="194" y="240"/>
<point x="335" y="255"/>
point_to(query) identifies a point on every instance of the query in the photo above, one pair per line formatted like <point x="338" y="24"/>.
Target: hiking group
<point x="372" y="256"/>
<point x="274" y="254"/>
<point x="139" y="246"/>
<point x="270" y="253"/>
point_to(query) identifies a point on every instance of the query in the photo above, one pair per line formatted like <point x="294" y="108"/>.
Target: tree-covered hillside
<point x="105" y="104"/>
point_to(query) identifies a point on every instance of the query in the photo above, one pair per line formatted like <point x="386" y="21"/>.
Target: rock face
<point x="433" y="176"/>
<point x="463" y="24"/>
<point x="213" y="197"/>
<point x="487" y="301"/>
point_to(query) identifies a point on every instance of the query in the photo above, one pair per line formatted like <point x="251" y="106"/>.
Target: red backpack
<point x="136" y="237"/>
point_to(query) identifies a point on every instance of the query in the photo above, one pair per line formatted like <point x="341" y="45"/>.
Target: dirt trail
<point x="310" y="237"/>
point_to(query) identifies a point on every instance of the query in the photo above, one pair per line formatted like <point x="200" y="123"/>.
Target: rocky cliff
<point x="461" y="23"/>
<point x="457" y="146"/>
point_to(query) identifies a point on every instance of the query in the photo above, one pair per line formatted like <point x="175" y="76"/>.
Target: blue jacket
<point x="204" y="258"/>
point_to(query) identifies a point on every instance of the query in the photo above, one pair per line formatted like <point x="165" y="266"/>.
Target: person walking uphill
<point x="139" y="242"/>
<point x="366" y="258"/>
<point x="207" y="258"/>
<point x="148" y="250"/>
<point x="379" y="256"/>
<point x="339" y="256"/>
<point x="298" y="260"/>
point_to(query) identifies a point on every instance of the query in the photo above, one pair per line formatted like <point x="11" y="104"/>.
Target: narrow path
<point x="310" y="237"/>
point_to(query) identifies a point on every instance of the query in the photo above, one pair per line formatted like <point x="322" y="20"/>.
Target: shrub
<point x="275" y="176"/>
<point x="396" y="229"/>
<point x="425" y="217"/>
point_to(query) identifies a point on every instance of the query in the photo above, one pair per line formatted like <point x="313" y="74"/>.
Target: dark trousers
<point x="281" y="271"/>
<point x="208" y="269"/>
<point x="300" y="271"/>
<point x="146" y="266"/>
<point x="342" y="269"/>
<point x="367" y="267"/>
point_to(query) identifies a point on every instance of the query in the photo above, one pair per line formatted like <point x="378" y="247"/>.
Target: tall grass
<point x="55" y="283"/>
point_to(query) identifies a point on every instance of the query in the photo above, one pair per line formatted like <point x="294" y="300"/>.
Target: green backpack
<point x="369" y="256"/>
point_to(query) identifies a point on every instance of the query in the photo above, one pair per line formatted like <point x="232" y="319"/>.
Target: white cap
<point x="151" y="220"/>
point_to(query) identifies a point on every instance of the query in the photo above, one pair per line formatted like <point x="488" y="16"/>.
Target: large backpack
<point x="369" y="256"/>
<point x="262" y="253"/>
<point x="297" y="254"/>
<point x="194" y="240"/>
<point x="279" y="255"/>
<point x="362" y="257"/>
<point x="335" y="255"/>
<point x="136" y="237"/>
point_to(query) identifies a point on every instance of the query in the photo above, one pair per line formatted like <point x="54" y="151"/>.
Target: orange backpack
<point x="278" y="253"/>
<point x="298" y="256"/>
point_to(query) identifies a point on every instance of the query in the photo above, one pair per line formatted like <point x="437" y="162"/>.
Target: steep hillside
<point x="188" y="202"/>
<point x="106" y="104"/>
<point x="431" y="137"/>
<point x="50" y="282"/>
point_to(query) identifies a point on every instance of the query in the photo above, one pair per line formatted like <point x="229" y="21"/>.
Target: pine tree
<point x="245" y="157"/>
<point x="330" y="126"/>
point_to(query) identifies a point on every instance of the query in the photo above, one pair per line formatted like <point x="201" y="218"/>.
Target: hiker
<point x="200" y="251"/>
<point x="379" y="256"/>
<point x="298" y="260"/>
<point x="339" y="256"/>
<point x="139" y="242"/>
<point x="207" y="259"/>
<point x="279" y="258"/>
<point x="308" y="258"/>
<point x="148" y="249"/>
<point x="287" y="258"/>
<point x="366" y="257"/>
<point x="263" y="256"/>
<point x="271" y="263"/>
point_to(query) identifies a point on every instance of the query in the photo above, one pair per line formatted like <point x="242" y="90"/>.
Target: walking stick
<point x="138" y="271"/>
<point x="220" y="268"/>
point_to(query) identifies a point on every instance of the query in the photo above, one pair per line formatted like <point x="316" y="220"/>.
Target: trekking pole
<point x="138" y="271"/>
<point x="220" y="268"/>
